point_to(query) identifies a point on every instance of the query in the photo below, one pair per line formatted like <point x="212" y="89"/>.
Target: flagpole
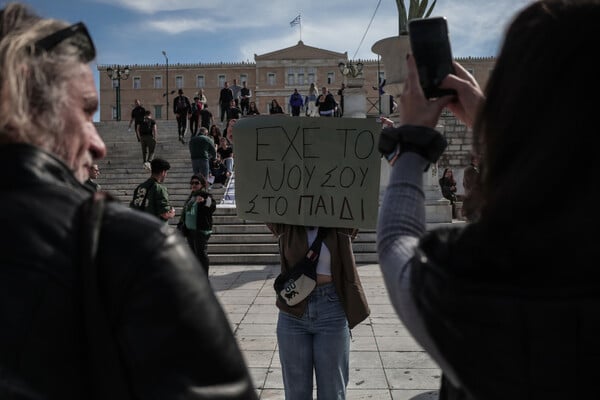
<point x="300" y="26"/>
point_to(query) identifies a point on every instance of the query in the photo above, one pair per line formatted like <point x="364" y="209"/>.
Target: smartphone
<point x="430" y="46"/>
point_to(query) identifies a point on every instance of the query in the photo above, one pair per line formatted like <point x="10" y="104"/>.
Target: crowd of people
<point x="236" y="102"/>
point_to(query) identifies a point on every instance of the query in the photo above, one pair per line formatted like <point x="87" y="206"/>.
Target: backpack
<point x="146" y="126"/>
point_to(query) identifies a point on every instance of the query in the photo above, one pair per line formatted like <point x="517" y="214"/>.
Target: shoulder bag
<point x="298" y="282"/>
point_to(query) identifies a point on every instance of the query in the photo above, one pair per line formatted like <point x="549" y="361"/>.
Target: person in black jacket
<point x="225" y="97"/>
<point x="137" y="115"/>
<point x="182" y="108"/>
<point x="196" y="218"/>
<point x="326" y="103"/>
<point x="448" y="187"/>
<point x="171" y="337"/>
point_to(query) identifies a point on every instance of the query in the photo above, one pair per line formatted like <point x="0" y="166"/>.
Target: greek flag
<point x="295" y="21"/>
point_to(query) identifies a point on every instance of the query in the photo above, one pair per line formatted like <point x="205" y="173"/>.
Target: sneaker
<point x="147" y="165"/>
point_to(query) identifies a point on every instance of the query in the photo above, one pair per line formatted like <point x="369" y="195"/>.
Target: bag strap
<point x="107" y="376"/>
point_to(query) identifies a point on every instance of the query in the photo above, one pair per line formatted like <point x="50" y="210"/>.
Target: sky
<point x="129" y="32"/>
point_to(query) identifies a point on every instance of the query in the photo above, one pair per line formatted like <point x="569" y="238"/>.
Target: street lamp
<point x="167" y="82"/>
<point x="118" y="75"/>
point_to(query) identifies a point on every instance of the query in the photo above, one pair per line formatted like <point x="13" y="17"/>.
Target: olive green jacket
<point x="156" y="202"/>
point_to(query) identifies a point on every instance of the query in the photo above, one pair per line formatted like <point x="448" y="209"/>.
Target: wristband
<point x="427" y="142"/>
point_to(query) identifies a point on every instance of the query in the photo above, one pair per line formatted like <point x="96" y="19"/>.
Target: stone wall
<point x="458" y="153"/>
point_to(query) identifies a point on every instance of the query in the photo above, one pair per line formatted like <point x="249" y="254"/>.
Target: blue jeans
<point x="319" y="340"/>
<point x="229" y="164"/>
<point x="200" y="167"/>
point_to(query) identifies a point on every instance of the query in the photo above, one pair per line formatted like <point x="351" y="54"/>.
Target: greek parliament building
<point x="272" y="75"/>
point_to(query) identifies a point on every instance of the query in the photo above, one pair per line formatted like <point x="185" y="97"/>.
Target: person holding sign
<point x="315" y="333"/>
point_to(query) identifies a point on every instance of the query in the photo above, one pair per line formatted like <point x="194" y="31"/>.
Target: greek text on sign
<point x="307" y="171"/>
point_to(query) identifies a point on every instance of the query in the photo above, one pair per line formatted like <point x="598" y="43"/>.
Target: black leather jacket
<point x="174" y="339"/>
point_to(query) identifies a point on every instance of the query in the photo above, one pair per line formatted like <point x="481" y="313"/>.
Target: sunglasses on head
<point x="77" y="34"/>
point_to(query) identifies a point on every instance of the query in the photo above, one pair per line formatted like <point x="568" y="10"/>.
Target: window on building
<point x="300" y="79"/>
<point x="271" y="79"/>
<point x="115" y="83"/>
<point x="158" y="112"/>
<point x="179" y="82"/>
<point x="200" y="81"/>
<point x="381" y="76"/>
<point x="330" y="78"/>
<point x="113" y="112"/>
<point x="311" y="77"/>
<point x="221" y="80"/>
<point x="290" y="79"/>
<point x="244" y="78"/>
<point x="137" y="82"/>
<point x="471" y="71"/>
<point x="158" y="82"/>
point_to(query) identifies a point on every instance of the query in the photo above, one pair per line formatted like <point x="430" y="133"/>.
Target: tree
<point x="417" y="9"/>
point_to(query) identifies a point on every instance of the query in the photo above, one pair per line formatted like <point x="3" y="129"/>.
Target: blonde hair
<point x="33" y="84"/>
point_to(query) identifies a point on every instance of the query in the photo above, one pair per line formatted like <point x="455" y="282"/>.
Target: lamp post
<point x="167" y="82"/>
<point x="118" y="75"/>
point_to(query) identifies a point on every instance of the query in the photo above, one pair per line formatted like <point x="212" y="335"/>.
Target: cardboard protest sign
<point x="307" y="171"/>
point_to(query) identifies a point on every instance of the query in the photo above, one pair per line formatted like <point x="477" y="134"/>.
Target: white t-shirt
<point x="324" y="264"/>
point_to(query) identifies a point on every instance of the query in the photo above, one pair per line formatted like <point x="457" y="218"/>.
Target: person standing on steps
<point x="196" y="219"/>
<point x="311" y="98"/>
<point x="146" y="135"/>
<point x="225" y="97"/>
<point x="236" y="90"/>
<point x="137" y="115"/>
<point x="326" y="103"/>
<point x="296" y="103"/>
<point x="152" y="196"/>
<point x="182" y="108"/>
<point x="245" y="94"/>
<point x="206" y="117"/>
<point x="195" y="116"/>
<point x="202" y="150"/>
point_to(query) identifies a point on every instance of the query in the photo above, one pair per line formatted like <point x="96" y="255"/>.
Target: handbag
<point x="297" y="283"/>
<point x="107" y="373"/>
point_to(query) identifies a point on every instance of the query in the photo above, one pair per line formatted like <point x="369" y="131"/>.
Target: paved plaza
<point x="385" y="361"/>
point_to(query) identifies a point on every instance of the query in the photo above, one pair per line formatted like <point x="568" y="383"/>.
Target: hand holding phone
<point x="430" y="46"/>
